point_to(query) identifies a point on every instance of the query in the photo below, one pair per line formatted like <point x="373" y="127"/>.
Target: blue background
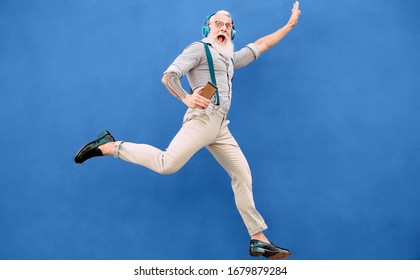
<point x="328" y="119"/>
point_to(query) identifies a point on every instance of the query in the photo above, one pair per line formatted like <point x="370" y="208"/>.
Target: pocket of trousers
<point x="192" y="114"/>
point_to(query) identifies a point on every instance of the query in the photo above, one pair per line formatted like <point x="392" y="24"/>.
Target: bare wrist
<point x="290" y="25"/>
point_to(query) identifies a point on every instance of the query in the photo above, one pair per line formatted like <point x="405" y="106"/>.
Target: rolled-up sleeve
<point x="246" y="55"/>
<point x="187" y="60"/>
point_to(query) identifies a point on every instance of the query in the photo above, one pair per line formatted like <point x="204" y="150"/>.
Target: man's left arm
<point x="270" y="40"/>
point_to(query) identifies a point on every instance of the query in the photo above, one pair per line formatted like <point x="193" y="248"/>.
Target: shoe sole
<point x="276" y="256"/>
<point x="257" y="252"/>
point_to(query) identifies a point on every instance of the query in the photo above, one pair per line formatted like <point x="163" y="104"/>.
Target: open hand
<point x="295" y="15"/>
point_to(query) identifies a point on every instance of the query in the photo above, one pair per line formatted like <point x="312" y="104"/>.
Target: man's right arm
<point x="172" y="82"/>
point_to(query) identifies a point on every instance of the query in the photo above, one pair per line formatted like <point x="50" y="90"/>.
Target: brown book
<point x="208" y="90"/>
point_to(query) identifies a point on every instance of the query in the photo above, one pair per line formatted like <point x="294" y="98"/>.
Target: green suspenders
<point x="211" y="68"/>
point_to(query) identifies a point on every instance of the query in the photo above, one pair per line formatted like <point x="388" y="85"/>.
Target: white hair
<point x="221" y="12"/>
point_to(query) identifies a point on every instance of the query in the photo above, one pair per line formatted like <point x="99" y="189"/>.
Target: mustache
<point x="226" y="49"/>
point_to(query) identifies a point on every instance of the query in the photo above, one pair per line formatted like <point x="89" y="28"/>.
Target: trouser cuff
<point x="116" y="151"/>
<point x="257" y="230"/>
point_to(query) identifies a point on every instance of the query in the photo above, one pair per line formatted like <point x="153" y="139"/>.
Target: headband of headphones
<point x="206" y="28"/>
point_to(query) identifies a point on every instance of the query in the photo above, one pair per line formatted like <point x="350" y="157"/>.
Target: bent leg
<point x="192" y="136"/>
<point x="228" y="153"/>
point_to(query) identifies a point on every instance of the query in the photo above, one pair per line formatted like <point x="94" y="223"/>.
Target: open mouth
<point x="221" y="38"/>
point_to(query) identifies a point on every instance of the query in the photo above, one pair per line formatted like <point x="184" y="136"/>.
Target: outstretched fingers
<point x="296" y="6"/>
<point x="295" y="14"/>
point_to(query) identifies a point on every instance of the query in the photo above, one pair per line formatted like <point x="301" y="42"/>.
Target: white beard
<point x="226" y="50"/>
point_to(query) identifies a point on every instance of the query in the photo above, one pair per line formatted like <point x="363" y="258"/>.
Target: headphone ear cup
<point x="233" y="33"/>
<point x="205" y="30"/>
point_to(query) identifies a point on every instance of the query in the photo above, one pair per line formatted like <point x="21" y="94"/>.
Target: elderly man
<point x="205" y="124"/>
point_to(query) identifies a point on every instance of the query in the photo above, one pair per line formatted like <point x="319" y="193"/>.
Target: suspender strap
<point x="211" y="68"/>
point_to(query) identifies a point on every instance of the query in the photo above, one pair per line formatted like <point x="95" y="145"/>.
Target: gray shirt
<point x="192" y="62"/>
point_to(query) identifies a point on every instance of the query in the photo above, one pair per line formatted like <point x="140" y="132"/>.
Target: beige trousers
<point x="201" y="129"/>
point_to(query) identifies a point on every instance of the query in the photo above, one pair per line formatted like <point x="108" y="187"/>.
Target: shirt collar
<point x="206" y="40"/>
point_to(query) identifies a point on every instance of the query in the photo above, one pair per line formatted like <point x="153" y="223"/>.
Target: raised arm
<point x="270" y="40"/>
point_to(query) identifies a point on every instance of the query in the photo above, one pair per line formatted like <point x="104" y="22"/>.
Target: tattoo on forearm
<point x="173" y="84"/>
